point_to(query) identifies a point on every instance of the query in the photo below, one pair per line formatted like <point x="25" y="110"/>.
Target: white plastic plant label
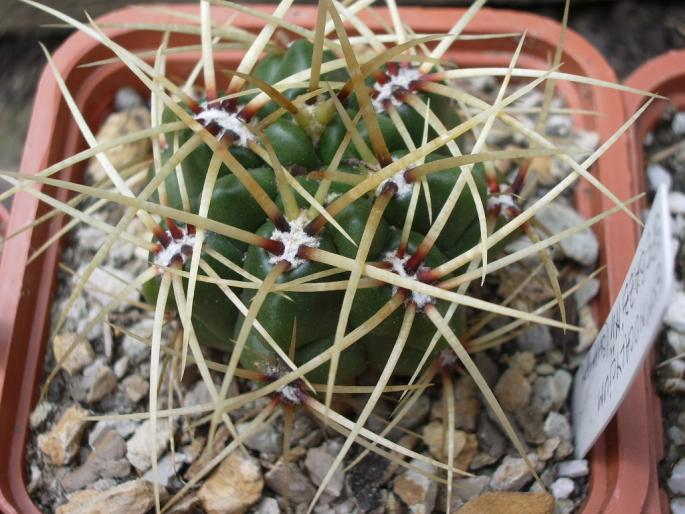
<point x="604" y="377"/>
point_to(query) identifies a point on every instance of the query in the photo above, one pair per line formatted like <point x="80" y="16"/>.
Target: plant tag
<point x="611" y="364"/>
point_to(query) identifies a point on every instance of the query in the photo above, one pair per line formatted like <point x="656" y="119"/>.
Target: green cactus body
<point x="311" y="317"/>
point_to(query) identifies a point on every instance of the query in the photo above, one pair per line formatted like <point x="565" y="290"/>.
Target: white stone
<point x="657" y="175"/>
<point x="512" y="474"/>
<point x="138" y="447"/>
<point x="678" y="123"/>
<point x="675" y="314"/>
<point x="676" y="340"/>
<point x="562" y="488"/>
<point x="127" y="98"/>
<point x="167" y="468"/>
<point x="676" y="202"/>
<point x="678" y="506"/>
<point x="573" y="468"/>
<point x="40" y="414"/>
<point x="676" y="482"/>
<point x="105" y="283"/>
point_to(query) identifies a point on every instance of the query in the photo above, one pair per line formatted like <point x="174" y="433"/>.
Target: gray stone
<point x="299" y="488"/>
<point x="267" y="439"/>
<point x="134" y="348"/>
<point x="123" y="427"/>
<point x="417" y="490"/>
<point x="564" y="506"/>
<point x="490" y="438"/>
<point x="582" y="246"/>
<point x="562" y="488"/>
<point x="318" y="461"/>
<point x="267" y="506"/>
<point x="678" y="506"/>
<point x="105" y="461"/>
<point x="538" y="339"/>
<point x="127" y="98"/>
<point x="586" y="292"/>
<point x="550" y="392"/>
<point x="676" y="435"/>
<point x="556" y="425"/>
<point x="98" y="380"/>
<point x="463" y="490"/>
<point x="676" y="482"/>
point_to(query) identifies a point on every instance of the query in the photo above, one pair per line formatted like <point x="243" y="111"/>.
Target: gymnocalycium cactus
<point x="322" y="214"/>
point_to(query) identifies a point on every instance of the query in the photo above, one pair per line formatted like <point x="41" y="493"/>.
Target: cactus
<point x="316" y="218"/>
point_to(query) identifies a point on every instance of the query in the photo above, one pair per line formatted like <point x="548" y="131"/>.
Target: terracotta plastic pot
<point x="623" y="477"/>
<point x="665" y="75"/>
<point x="4" y="219"/>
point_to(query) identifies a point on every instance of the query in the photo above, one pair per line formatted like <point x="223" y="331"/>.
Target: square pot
<point x="619" y="481"/>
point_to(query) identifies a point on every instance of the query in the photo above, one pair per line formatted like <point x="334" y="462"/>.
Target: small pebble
<point x="657" y="175"/>
<point x="573" y="468"/>
<point x="556" y="425"/>
<point x="676" y="482"/>
<point x="562" y="488"/>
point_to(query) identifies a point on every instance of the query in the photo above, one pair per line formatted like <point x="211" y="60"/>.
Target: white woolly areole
<point x="503" y="200"/>
<point x="175" y="248"/>
<point x="403" y="79"/>
<point x="398" y="266"/>
<point x="404" y="188"/>
<point x="292" y="241"/>
<point x="228" y="122"/>
<point x="291" y="393"/>
<point x="331" y="197"/>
